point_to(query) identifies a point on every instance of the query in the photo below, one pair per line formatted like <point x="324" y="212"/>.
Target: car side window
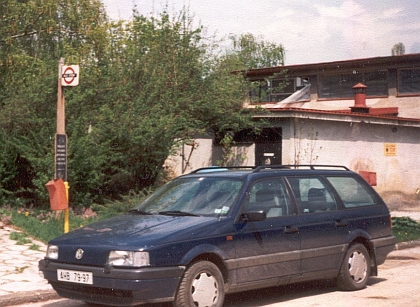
<point x="352" y="192"/>
<point x="312" y="195"/>
<point x="269" y="195"/>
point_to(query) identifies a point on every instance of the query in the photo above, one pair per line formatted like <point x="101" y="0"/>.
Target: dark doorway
<point x="268" y="147"/>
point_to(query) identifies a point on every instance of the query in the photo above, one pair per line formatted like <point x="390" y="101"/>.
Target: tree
<point x="398" y="49"/>
<point x="249" y="52"/>
<point x="34" y="34"/>
<point x="145" y="85"/>
<point x="167" y="89"/>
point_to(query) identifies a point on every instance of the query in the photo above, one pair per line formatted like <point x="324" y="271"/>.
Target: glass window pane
<point x="341" y="85"/>
<point x="376" y="82"/>
<point x="200" y="196"/>
<point x="338" y="86"/>
<point x="409" y="81"/>
<point x="270" y="196"/>
<point x="312" y="195"/>
<point x="352" y="192"/>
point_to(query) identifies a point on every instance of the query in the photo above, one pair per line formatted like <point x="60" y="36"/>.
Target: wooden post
<point x="61" y="129"/>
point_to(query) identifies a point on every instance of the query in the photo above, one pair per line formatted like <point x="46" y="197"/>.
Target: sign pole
<point x="61" y="143"/>
<point x="61" y="128"/>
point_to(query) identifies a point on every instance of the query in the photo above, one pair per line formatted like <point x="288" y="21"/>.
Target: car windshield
<point x="208" y="196"/>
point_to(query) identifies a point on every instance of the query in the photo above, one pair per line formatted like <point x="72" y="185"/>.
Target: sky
<point x="310" y="31"/>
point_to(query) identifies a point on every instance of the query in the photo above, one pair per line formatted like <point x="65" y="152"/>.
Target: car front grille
<point x="93" y="294"/>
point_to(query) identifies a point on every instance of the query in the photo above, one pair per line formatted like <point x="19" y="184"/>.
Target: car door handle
<point x="291" y="229"/>
<point x="341" y="223"/>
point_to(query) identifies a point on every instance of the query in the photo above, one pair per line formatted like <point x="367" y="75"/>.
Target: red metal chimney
<point x="360" y="99"/>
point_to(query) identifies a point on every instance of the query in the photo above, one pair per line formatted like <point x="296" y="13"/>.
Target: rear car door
<point x="322" y="226"/>
<point x="267" y="250"/>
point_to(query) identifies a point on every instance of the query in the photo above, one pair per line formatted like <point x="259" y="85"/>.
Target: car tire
<point x="201" y="286"/>
<point x="355" y="270"/>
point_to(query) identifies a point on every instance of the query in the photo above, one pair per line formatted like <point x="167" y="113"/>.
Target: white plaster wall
<point x="203" y="154"/>
<point x="190" y="157"/>
<point x="243" y="155"/>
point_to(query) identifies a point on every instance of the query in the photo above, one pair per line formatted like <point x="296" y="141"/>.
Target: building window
<point x="341" y="85"/>
<point x="275" y="90"/>
<point x="337" y="86"/>
<point x="409" y="81"/>
<point x="376" y="82"/>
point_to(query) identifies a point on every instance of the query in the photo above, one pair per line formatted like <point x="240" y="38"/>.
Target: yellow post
<point x="66" y="211"/>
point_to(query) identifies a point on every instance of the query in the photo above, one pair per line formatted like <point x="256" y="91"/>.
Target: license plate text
<point x="75" y="276"/>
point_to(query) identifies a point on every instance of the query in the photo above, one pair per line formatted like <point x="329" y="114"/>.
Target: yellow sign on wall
<point x="390" y="149"/>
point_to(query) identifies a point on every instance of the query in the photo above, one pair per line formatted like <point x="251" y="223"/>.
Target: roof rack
<point x="299" y="166"/>
<point x="256" y="169"/>
<point x="210" y="169"/>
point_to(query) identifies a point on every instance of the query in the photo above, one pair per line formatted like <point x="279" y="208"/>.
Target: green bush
<point x="113" y="208"/>
<point x="405" y="229"/>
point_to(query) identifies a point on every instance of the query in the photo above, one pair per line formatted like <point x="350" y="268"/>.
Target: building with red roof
<point x="362" y="113"/>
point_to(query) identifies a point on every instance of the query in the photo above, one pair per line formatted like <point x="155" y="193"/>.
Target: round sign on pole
<point x="70" y="75"/>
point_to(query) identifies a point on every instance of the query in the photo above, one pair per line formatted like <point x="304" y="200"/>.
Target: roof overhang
<point x="338" y="116"/>
<point x="397" y="61"/>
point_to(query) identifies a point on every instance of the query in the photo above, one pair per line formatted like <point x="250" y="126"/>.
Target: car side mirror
<point x="253" y="216"/>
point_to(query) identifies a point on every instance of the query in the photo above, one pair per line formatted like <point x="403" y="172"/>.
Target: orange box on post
<point x="58" y="195"/>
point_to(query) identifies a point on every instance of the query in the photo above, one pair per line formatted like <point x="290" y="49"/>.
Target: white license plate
<point x="75" y="276"/>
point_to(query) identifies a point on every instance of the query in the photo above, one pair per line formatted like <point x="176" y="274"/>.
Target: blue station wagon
<point x="225" y="230"/>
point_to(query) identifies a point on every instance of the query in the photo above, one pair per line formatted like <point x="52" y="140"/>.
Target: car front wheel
<point x="355" y="270"/>
<point x="201" y="286"/>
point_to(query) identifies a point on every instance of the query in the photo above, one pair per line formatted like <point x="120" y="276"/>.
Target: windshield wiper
<point x="140" y="212"/>
<point x="177" y="213"/>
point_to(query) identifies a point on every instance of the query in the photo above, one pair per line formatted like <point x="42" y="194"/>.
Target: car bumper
<point x="383" y="247"/>
<point x="116" y="286"/>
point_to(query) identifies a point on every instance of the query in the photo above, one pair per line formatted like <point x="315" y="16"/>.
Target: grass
<point x="21" y="269"/>
<point x="21" y="238"/>
<point x="35" y="247"/>
<point x="45" y="226"/>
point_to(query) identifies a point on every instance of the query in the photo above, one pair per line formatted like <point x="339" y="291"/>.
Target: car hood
<point x="138" y="230"/>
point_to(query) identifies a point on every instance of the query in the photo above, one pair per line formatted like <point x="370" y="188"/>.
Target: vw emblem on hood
<point x="79" y="253"/>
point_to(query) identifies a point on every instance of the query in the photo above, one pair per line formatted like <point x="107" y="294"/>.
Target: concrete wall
<point x="203" y="154"/>
<point x="188" y="157"/>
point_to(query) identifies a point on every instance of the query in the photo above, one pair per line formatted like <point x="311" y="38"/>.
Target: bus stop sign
<point x="70" y="75"/>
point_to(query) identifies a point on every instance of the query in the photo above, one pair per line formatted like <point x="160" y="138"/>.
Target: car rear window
<point x="352" y="192"/>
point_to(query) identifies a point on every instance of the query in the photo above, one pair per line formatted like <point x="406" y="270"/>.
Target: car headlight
<point x="128" y="258"/>
<point x="52" y="252"/>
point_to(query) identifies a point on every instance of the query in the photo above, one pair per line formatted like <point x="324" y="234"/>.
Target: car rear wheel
<point x="355" y="270"/>
<point x="201" y="286"/>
